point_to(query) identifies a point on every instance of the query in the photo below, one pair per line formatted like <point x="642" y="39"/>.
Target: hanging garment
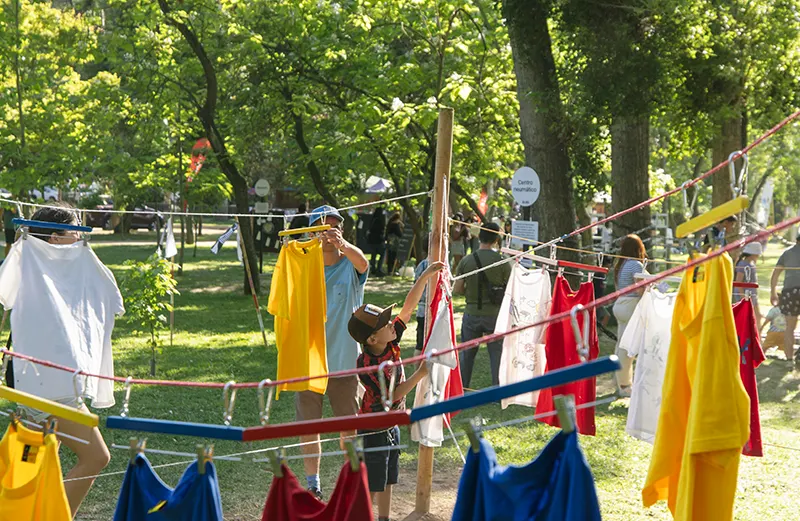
<point x="705" y="419"/>
<point x="144" y="497"/>
<point x="168" y="249"/>
<point x="647" y="339"/>
<point x="297" y="300"/>
<point x="287" y="500"/>
<point x="556" y="486"/>
<point x="30" y="477"/>
<point x="560" y="347"/>
<point x="527" y="301"/>
<point x="64" y="301"/>
<point x="750" y="356"/>
<point x="444" y="376"/>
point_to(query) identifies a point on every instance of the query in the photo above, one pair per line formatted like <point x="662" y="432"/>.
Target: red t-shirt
<point x="289" y="501"/>
<point x="750" y="356"/>
<point x="561" y="351"/>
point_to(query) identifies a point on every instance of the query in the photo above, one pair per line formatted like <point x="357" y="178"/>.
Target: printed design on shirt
<point x="743" y="350"/>
<point x="653" y="352"/>
<point x="526" y="310"/>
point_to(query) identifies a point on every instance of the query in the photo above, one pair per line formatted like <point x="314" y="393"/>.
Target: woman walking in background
<point x="394" y="232"/>
<point x="624" y="271"/>
<point x="459" y="234"/>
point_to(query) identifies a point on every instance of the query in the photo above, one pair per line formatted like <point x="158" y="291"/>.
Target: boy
<point x="777" y="328"/>
<point x="379" y="336"/>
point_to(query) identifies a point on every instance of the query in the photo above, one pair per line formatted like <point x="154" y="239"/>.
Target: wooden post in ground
<point x="437" y="251"/>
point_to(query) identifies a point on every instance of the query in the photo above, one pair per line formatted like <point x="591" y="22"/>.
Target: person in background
<point x="346" y="270"/>
<point x="632" y="247"/>
<point x="777" y="328"/>
<point x="745" y="271"/>
<point x="474" y="232"/>
<point x="789" y="299"/>
<point x="379" y="336"/>
<point x="301" y="219"/>
<point x="484" y="293"/>
<point x="394" y="232"/>
<point x="507" y="226"/>
<point x="458" y="238"/>
<point x="9" y="214"/>
<point x="377" y="240"/>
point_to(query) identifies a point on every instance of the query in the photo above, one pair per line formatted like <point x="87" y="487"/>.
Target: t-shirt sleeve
<point x="11" y="276"/>
<point x="633" y="337"/>
<point x="278" y="303"/>
<point x="773" y="314"/>
<point x="781" y="260"/>
<point x="462" y="266"/>
<point x="758" y="351"/>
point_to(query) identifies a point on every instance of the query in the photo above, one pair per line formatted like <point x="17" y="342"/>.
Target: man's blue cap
<point x="321" y="212"/>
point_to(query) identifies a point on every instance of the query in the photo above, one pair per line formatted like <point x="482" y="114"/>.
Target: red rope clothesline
<point x="489" y="338"/>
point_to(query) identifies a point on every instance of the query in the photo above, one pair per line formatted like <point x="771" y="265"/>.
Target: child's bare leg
<point x="384" y="500"/>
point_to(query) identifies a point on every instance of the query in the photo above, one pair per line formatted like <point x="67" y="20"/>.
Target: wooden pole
<point x="437" y="251"/>
<point x="250" y="279"/>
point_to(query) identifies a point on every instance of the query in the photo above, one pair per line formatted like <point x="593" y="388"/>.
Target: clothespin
<point x="387" y="395"/>
<point x="275" y="460"/>
<point x="50" y="426"/>
<point x="76" y="388"/>
<point x="136" y="447"/>
<point x="228" y="398"/>
<point x="565" y="407"/>
<point x="126" y="401"/>
<point x="581" y="341"/>
<point x="264" y="405"/>
<point x="472" y="429"/>
<point x="204" y="454"/>
<point x="353" y="455"/>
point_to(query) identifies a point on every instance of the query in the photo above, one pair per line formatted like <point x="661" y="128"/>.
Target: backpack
<point x="496" y="293"/>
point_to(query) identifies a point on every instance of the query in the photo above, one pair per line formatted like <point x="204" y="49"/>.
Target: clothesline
<point x="464" y="345"/>
<point x="223" y="215"/>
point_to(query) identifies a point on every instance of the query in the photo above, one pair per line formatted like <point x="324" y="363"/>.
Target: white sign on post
<point x="262" y="187"/>
<point x="262" y="207"/>
<point x="525" y="186"/>
<point x="524" y="230"/>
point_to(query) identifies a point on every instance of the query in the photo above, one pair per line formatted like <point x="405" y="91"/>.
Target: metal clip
<point x="581" y="341"/>
<point x="76" y="388"/>
<point x="737" y="183"/>
<point x="387" y="396"/>
<point x="687" y="209"/>
<point x="228" y="397"/>
<point x="126" y="400"/>
<point x="264" y="406"/>
<point x="553" y="251"/>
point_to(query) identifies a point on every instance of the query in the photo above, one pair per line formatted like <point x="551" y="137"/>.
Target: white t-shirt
<point x="64" y="301"/>
<point x="431" y="389"/>
<point x="647" y="338"/>
<point x="527" y="301"/>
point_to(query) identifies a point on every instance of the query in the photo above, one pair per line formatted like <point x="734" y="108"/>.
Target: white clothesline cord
<point x="490" y="266"/>
<point x="225" y="215"/>
<point x="455" y="441"/>
<point x="336" y="453"/>
<point x="36" y="426"/>
<point x="225" y="457"/>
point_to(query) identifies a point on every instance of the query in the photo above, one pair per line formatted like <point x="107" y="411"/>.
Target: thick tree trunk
<point x="542" y="125"/>
<point x="189" y="229"/>
<point x="729" y="140"/>
<point x="630" y="178"/>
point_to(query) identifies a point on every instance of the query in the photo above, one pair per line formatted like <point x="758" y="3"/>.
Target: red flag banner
<point x="482" y="202"/>
<point x="199" y="151"/>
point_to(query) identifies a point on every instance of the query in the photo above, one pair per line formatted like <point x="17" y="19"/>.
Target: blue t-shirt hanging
<point x="556" y="486"/>
<point x="144" y="497"/>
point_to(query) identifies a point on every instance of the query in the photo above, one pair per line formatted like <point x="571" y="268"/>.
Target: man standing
<point x="346" y="270"/>
<point x="484" y="292"/>
<point x="789" y="299"/>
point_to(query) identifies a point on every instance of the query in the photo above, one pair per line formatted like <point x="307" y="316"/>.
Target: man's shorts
<point x="789" y="302"/>
<point x="342" y="392"/>
<point x="383" y="467"/>
<point x="10" y="235"/>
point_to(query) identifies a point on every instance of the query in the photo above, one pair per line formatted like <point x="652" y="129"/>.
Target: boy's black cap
<point x="366" y="320"/>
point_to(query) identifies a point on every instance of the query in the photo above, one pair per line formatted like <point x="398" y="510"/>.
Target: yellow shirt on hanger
<point x="705" y="412"/>
<point x="298" y="303"/>
<point x="31" y="487"/>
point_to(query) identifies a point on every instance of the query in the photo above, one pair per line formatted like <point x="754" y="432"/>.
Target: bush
<point x="145" y="287"/>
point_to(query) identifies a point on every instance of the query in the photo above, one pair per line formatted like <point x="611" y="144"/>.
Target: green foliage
<point x="145" y="287"/>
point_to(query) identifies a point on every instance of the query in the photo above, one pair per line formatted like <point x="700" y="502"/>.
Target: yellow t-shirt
<point x="30" y="477"/>
<point x="705" y="412"/>
<point x="297" y="300"/>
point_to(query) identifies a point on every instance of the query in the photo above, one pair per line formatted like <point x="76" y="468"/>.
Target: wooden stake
<point x="437" y="251"/>
<point x="250" y="279"/>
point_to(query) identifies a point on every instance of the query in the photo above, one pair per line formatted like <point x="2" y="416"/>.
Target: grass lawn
<point x="217" y="339"/>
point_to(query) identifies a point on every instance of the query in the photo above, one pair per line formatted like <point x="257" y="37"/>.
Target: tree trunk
<point x="207" y="113"/>
<point x="630" y="177"/>
<point x="729" y="140"/>
<point x="542" y="124"/>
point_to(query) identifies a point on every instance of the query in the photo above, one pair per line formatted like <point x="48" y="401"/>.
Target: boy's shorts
<point x="773" y="339"/>
<point x="383" y="467"/>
